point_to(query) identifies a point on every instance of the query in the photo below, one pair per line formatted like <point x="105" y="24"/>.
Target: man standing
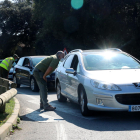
<point x="6" y="65"/>
<point x="42" y="69"/>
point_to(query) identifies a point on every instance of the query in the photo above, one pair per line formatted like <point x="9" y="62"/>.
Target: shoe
<point x="41" y="106"/>
<point x="49" y="108"/>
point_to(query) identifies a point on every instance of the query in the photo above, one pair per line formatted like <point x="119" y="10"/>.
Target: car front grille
<point x="128" y="99"/>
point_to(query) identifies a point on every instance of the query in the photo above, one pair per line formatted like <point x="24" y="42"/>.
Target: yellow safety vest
<point x="5" y="63"/>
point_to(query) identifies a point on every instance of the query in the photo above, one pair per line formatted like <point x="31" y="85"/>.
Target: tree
<point x="16" y="26"/>
<point x="97" y="24"/>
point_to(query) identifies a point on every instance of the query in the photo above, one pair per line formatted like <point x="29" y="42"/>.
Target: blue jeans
<point x="42" y="84"/>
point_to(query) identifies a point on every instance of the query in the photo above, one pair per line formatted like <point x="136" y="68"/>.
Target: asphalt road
<point x="67" y="123"/>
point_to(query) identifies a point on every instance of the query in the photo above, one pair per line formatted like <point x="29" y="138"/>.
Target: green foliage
<point x="98" y="24"/>
<point x="8" y="111"/>
<point x="16" y="26"/>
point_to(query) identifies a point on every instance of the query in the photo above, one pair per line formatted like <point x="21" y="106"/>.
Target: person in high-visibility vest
<point x="6" y="65"/>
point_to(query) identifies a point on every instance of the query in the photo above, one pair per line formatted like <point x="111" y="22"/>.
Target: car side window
<point x="20" y="62"/>
<point x="26" y="62"/>
<point x="68" y="61"/>
<point x="75" y="63"/>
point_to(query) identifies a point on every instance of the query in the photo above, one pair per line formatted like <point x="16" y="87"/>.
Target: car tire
<point x="15" y="81"/>
<point x="60" y="97"/>
<point x="83" y="102"/>
<point x="33" y="85"/>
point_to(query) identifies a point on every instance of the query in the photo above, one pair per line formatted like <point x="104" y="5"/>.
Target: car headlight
<point x="104" y="85"/>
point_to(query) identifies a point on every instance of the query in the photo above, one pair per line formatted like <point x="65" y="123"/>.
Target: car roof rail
<point x="114" y="49"/>
<point x="76" y="50"/>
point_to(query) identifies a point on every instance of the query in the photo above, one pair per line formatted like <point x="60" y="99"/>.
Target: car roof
<point x="35" y="56"/>
<point x="116" y="50"/>
<point x="100" y="50"/>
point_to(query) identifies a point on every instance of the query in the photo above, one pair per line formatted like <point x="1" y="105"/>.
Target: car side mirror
<point x="71" y="71"/>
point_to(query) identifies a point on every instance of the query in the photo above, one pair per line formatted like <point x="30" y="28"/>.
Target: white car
<point x="100" y="80"/>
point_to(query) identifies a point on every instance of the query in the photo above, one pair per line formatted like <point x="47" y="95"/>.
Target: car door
<point x="26" y="71"/>
<point x="72" y="79"/>
<point x="63" y="74"/>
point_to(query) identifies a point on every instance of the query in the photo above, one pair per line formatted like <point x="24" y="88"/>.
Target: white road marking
<point x="40" y="117"/>
<point x="61" y="133"/>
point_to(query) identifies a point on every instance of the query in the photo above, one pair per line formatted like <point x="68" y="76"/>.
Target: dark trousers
<point x="3" y="73"/>
<point x="42" y="84"/>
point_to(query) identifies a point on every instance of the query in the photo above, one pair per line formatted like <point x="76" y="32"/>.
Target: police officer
<point x="42" y="69"/>
<point x="6" y="65"/>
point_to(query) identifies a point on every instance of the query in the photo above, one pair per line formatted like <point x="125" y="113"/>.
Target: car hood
<point x="116" y="76"/>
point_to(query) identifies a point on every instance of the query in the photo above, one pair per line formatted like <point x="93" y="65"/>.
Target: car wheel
<point x="83" y="102"/>
<point x="15" y="81"/>
<point x="33" y="84"/>
<point x="60" y="97"/>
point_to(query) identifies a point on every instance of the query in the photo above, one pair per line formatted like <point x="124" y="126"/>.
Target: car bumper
<point x="105" y="108"/>
<point x="101" y="100"/>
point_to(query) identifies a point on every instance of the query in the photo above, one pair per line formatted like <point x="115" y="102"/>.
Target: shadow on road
<point x="105" y="121"/>
<point x="99" y="121"/>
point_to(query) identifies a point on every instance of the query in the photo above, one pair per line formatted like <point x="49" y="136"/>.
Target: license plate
<point x="134" y="108"/>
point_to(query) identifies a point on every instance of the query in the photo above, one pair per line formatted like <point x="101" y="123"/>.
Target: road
<point x="67" y="123"/>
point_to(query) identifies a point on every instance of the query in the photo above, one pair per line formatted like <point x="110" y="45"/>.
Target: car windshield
<point x="109" y="61"/>
<point x="37" y="60"/>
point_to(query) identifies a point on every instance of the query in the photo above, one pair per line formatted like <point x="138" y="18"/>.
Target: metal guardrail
<point x="7" y="91"/>
<point x="7" y="83"/>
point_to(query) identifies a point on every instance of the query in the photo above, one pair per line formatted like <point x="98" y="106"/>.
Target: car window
<point x="109" y="61"/>
<point x="36" y="60"/>
<point x="26" y="62"/>
<point x="20" y="62"/>
<point x="74" y="63"/>
<point x="68" y="62"/>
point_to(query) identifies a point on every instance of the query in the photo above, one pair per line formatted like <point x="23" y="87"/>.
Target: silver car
<point x="100" y="80"/>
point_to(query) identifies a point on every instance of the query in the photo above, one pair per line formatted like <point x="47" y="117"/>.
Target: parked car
<point x="23" y="72"/>
<point x="100" y="80"/>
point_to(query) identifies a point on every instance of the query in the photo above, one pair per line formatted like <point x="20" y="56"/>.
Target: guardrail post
<point x="2" y="90"/>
